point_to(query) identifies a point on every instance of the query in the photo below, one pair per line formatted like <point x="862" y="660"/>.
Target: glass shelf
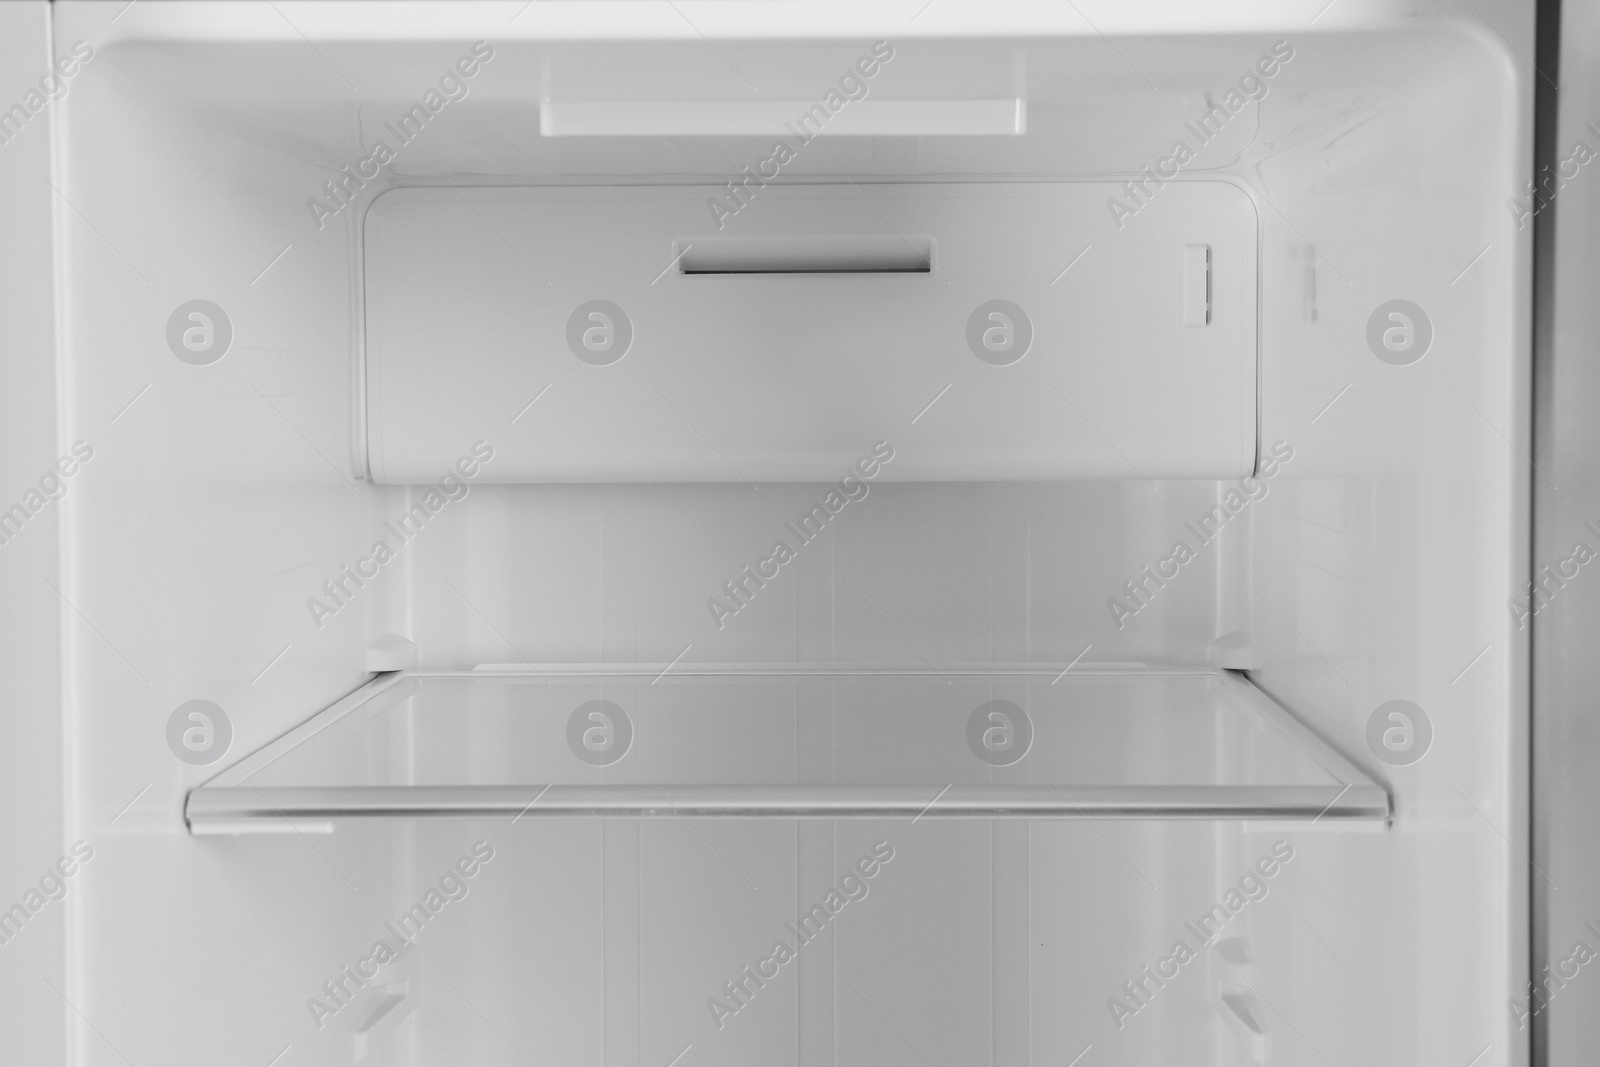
<point x="793" y="742"/>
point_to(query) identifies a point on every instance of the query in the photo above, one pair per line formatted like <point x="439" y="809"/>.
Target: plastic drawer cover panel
<point x="981" y="742"/>
<point x="1059" y="341"/>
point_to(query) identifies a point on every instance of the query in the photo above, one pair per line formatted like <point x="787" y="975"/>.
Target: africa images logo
<point x="742" y="588"/>
<point x="341" y="589"/>
<point x="1139" y="992"/>
<point x="1206" y="127"/>
<point x="1141" y="589"/>
<point x="810" y="123"/>
<point x="853" y="887"/>
<point x="340" y="991"/>
<point x="341" y="193"/>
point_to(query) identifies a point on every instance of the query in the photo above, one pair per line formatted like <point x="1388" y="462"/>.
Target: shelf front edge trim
<point x="233" y="805"/>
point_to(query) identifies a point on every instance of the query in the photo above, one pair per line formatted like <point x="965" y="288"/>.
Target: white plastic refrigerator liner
<point x="710" y="533"/>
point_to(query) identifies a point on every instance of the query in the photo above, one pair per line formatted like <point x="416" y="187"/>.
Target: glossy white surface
<point x="222" y="497"/>
<point x="780" y="376"/>
<point x="35" y="776"/>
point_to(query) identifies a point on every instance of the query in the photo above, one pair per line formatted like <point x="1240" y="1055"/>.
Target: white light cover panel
<point x="1054" y="338"/>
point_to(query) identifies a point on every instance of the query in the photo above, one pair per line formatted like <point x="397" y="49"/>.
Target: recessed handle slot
<point x="806" y="255"/>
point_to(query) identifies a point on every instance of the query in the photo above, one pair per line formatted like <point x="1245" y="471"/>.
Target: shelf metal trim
<point x="238" y="804"/>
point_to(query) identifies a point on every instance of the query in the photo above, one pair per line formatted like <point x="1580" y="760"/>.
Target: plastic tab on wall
<point x="989" y="331"/>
